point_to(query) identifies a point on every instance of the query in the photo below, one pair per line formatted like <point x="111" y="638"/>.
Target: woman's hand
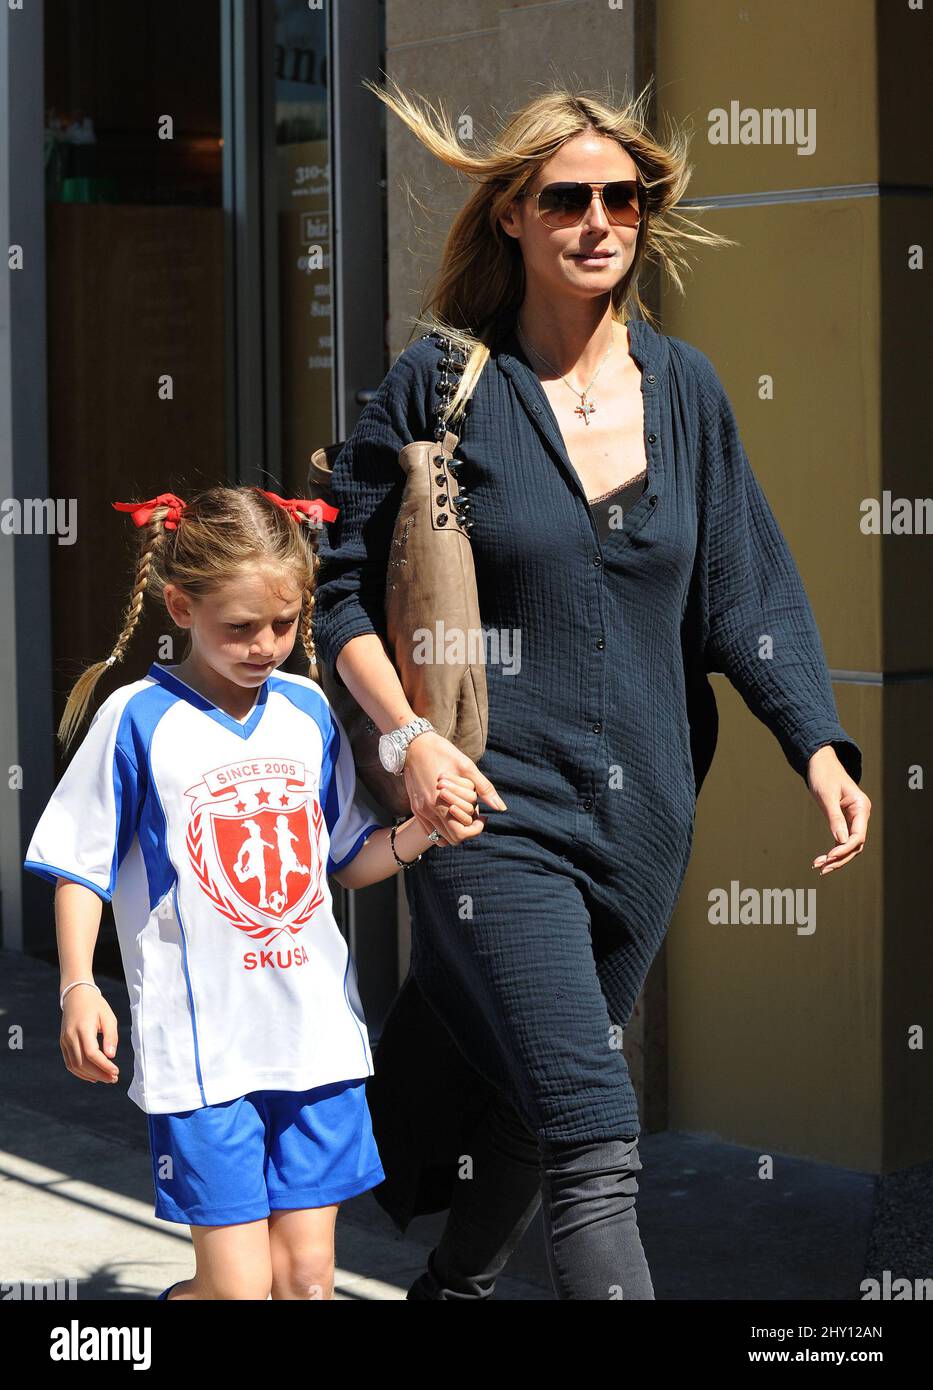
<point x="844" y="804"/>
<point x="443" y="786"/>
<point x="86" y="1014"/>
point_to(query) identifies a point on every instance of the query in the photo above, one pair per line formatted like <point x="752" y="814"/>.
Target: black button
<point x="651" y="376"/>
<point x="597" y="727"/>
<point x="597" y="560"/>
<point x="652" y="438"/>
<point x="600" y="643"/>
<point x="587" y="805"/>
<point x="442" y="518"/>
<point x="653" y="498"/>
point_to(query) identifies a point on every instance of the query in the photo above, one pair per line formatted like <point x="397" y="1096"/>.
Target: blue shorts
<point x="263" y="1152"/>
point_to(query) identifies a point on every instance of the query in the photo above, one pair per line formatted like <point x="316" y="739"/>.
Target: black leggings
<point x="593" y="1247"/>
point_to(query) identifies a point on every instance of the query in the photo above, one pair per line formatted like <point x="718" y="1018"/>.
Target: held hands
<point x="844" y="804"/>
<point x="443" y="787"/>
<point x="86" y="1014"/>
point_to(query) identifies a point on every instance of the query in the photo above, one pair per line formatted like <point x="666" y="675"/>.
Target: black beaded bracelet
<point x="402" y="863"/>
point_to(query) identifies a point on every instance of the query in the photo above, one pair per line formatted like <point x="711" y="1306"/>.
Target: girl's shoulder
<point x="112" y="727"/>
<point x="311" y="698"/>
<point x="299" y="682"/>
<point x="116" y="704"/>
<point x="304" y="691"/>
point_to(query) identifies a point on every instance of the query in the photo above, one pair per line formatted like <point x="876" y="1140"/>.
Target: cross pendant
<point x="585" y="409"/>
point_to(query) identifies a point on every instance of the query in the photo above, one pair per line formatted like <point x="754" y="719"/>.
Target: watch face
<point x="388" y="753"/>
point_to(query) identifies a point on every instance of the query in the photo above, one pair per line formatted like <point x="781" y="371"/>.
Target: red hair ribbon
<point x="142" y="511"/>
<point x="315" y="508"/>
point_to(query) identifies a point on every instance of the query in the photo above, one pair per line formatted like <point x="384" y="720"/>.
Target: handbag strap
<point x="450" y="365"/>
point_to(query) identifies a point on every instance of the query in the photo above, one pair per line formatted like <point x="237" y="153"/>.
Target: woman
<point x="532" y="940"/>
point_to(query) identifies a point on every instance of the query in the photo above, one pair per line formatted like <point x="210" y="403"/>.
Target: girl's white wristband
<point x="61" y="1001"/>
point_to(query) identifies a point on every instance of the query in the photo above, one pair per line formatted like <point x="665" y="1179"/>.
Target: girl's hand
<point x="459" y="795"/>
<point x="844" y="804"/>
<point x="86" y="1014"/>
<point x="447" y="807"/>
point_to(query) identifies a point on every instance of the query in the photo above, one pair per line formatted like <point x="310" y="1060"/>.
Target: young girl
<point x="208" y="802"/>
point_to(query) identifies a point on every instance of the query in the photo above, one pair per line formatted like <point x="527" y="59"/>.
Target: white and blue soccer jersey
<point x="213" y="839"/>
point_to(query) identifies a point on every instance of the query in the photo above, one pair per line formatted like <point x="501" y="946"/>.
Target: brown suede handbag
<point x="435" y="639"/>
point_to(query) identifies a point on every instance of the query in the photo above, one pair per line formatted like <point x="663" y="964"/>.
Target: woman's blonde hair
<point x="221" y="531"/>
<point x="476" y="292"/>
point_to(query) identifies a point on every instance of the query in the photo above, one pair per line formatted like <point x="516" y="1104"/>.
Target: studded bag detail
<point x="435" y="640"/>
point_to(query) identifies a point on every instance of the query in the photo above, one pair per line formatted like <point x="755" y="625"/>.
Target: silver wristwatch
<point x="393" y="745"/>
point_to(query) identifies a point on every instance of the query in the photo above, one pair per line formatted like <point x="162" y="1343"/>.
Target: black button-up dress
<point x="532" y="941"/>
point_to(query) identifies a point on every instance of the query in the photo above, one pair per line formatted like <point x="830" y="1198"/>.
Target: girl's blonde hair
<point x="478" y="288"/>
<point x="219" y="532"/>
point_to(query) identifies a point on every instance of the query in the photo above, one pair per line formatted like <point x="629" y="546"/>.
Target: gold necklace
<point x="586" y="407"/>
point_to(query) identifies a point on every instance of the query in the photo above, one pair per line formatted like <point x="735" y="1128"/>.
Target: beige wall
<point x="794" y="1043"/>
<point x="800" y="1043"/>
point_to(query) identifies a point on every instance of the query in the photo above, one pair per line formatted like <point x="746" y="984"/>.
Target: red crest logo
<point x="254" y="841"/>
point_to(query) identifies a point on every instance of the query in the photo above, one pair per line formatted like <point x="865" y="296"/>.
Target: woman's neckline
<point x="511" y="343"/>
<point x="604" y="496"/>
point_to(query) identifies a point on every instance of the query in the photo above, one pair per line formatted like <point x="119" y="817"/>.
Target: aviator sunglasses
<point x="565" y="204"/>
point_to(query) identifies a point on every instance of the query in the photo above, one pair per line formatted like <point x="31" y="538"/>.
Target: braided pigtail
<point x="306" y="631"/>
<point x="83" y="689"/>
<point x="306" y="621"/>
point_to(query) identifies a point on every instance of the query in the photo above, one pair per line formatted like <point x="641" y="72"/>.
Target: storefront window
<point x="135" y="295"/>
<point x="304" y="223"/>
